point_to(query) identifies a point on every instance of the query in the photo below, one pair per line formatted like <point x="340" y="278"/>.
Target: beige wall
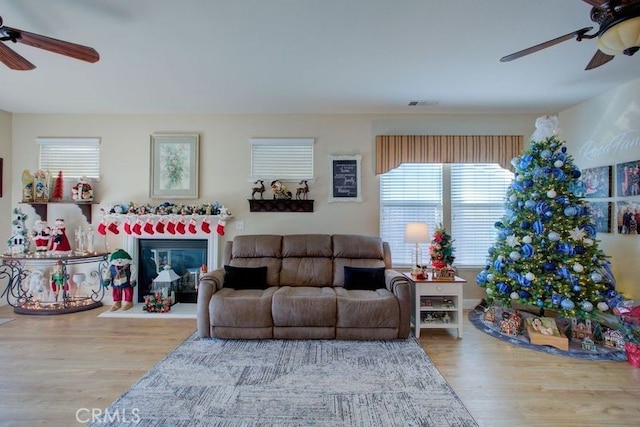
<point x="225" y="159"/>
<point x="5" y="200"/>
<point x="605" y="131"/>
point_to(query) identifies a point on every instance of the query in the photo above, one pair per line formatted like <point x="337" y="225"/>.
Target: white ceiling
<point x="305" y="56"/>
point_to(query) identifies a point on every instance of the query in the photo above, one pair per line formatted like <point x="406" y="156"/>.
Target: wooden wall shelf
<point x="280" y="205"/>
<point x="41" y="208"/>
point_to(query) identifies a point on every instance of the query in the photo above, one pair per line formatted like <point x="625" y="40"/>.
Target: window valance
<point x="393" y="150"/>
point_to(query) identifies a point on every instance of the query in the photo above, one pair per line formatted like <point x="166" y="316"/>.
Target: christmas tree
<point x="546" y="254"/>
<point x="441" y="248"/>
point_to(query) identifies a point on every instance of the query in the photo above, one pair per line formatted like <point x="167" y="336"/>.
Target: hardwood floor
<point x="57" y="366"/>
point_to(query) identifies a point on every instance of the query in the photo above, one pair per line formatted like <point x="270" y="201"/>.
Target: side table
<point x="437" y="304"/>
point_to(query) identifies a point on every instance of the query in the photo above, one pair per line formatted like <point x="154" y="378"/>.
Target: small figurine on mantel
<point x="302" y="192"/>
<point x="82" y="191"/>
<point x="119" y="275"/>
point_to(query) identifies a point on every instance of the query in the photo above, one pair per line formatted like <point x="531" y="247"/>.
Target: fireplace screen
<point x="184" y="256"/>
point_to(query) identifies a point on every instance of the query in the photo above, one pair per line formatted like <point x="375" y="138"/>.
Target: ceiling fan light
<point x="621" y="38"/>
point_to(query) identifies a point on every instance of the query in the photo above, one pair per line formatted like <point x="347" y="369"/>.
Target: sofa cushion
<point x="307" y="245"/>
<point x="357" y="246"/>
<point x="245" y="277"/>
<point x="304" y="306"/>
<point x="367" y="309"/>
<point x="366" y="278"/>
<point x="257" y="246"/>
<point x="246" y="308"/>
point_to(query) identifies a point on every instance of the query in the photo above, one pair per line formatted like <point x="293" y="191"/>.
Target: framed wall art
<point x="345" y="178"/>
<point x="600" y="213"/>
<point x="597" y="182"/>
<point x="174" y="166"/>
<point x="628" y="179"/>
<point x="628" y="217"/>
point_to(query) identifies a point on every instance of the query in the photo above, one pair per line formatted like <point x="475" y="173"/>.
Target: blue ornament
<point x="527" y="250"/>
<point x="576" y="173"/>
<point x="565" y="248"/>
<point x="481" y="277"/>
<point x="528" y="183"/>
<point x="538" y="227"/>
<point x="540" y="303"/>
<point x="577" y="288"/>
<point x="503" y="288"/>
<point x="525" y="161"/>
<point x="548" y="267"/>
<point x="524" y="294"/>
<point x="567" y="304"/>
<point x="555" y="299"/>
<point x="587" y="306"/>
<point x="564" y="150"/>
<point x="563" y="199"/>
<point x="525" y="225"/>
<point x="529" y="204"/>
<point x="596" y="277"/>
<point x="579" y="250"/>
<point x="589" y="229"/>
<point x="545" y="154"/>
<point x="570" y="211"/>
<point x="563" y="272"/>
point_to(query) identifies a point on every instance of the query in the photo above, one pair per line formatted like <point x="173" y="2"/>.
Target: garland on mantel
<point x="167" y="218"/>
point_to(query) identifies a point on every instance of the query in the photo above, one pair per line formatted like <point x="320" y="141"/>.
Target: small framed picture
<point x="628" y="217"/>
<point x="174" y="166"/>
<point x="628" y="179"/>
<point x="345" y="178"/>
<point x="600" y="213"/>
<point x="597" y="182"/>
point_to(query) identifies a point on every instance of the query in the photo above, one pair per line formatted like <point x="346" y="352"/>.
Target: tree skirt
<point x="476" y="317"/>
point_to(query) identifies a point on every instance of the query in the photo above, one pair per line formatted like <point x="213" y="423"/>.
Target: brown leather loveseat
<point x="314" y="286"/>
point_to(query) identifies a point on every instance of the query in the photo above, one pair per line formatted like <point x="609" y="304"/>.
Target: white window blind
<point x="287" y="159"/>
<point x="409" y="193"/>
<point x="477" y="202"/>
<point x="75" y="157"/>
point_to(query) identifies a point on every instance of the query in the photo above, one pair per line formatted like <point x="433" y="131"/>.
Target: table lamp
<point x="416" y="232"/>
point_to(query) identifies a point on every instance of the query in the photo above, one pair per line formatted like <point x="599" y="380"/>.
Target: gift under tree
<point x="546" y="254"/>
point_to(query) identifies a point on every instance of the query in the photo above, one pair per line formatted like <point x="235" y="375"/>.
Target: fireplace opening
<point x="184" y="256"/>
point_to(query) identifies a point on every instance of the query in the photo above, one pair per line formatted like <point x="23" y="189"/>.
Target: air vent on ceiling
<point x="430" y="103"/>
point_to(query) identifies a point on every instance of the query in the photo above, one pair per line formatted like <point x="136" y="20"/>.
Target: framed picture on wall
<point x="600" y="213"/>
<point x="628" y="217"/>
<point x="597" y="182"/>
<point x="628" y="179"/>
<point x="174" y="166"/>
<point x="345" y="178"/>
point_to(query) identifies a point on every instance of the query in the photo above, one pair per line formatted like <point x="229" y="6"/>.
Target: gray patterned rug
<point x="212" y="382"/>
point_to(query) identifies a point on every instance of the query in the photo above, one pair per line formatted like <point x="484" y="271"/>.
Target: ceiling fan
<point x="618" y="32"/>
<point x="15" y="61"/>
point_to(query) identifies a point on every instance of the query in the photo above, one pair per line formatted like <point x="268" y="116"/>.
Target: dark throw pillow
<point x="368" y="279"/>
<point x="245" y="277"/>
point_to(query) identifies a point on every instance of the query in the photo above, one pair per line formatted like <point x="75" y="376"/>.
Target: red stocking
<point x="180" y="227"/>
<point x="171" y="226"/>
<point x="206" y="226"/>
<point x="127" y="226"/>
<point x="192" y="226"/>
<point x="160" y="226"/>
<point x="220" y="227"/>
<point x="102" y="228"/>
<point x="113" y="227"/>
<point x="137" y="227"/>
<point x="148" y="226"/>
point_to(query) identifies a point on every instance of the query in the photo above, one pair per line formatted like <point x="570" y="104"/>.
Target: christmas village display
<point x="546" y="258"/>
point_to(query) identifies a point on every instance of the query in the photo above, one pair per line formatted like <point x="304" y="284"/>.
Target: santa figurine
<point x="41" y="236"/>
<point x="119" y="275"/>
<point x="59" y="243"/>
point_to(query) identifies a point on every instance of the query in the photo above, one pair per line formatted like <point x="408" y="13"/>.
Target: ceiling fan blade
<point x="83" y="53"/>
<point x="577" y="34"/>
<point x="595" y="3"/>
<point x="598" y="59"/>
<point x="13" y="60"/>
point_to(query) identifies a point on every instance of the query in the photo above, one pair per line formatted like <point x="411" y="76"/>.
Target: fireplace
<point x="185" y="253"/>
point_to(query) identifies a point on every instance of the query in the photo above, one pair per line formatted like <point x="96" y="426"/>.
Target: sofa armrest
<point x="399" y="285"/>
<point x="208" y="284"/>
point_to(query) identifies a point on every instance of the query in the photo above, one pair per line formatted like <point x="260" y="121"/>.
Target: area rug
<point x="213" y="382"/>
<point x="476" y="317"/>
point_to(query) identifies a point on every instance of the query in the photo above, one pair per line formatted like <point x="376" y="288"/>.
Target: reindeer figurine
<point x="260" y="189"/>
<point x="302" y="192"/>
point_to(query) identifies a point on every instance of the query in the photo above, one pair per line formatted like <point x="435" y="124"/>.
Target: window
<point x="75" y="157"/>
<point x="287" y="159"/>
<point x="467" y="198"/>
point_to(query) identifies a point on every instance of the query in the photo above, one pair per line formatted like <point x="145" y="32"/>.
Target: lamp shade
<point x="166" y="276"/>
<point x="416" y="232"/>
<point x="623" y="37"/>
